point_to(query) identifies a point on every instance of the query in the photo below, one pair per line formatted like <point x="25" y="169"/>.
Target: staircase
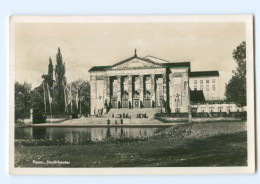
<point x="150" y="112"/>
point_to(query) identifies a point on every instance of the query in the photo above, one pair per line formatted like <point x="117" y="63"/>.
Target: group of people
<point x="126" y="115"/>
<point x="116" y="122"/>
<point x="139" y="115"/>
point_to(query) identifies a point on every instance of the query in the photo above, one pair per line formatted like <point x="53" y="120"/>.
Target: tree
<point x="25" y="99"/>
<point x="47" y="85"/>
<point x="79" y="98"/>
<point x="50" y="73"/>
<point x="60" y="93"/>
<point x="84" y="97"/>
<point x="236" y="87"/>
<point x="37" y="102"/>
<point x="22" y="100"/>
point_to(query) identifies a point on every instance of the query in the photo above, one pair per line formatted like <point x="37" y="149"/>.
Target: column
<point x="152" y="90"/>
<point x="164" y="86"/>
<point x="108" y="86"/>
<point x="130" y="80"/>
<point x="119" y="96"/>
<point x="171" y="93"/>
<point x="165" y="91"/>
<point x="93" y="94"/>
<point x="141" y="104"/>
<point x="186" y="95"/>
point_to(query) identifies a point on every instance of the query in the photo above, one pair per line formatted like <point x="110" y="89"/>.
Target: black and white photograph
<point x="131" y="95"/>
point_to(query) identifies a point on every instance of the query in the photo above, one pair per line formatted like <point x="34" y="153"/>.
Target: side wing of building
<point x="207" y="82"/>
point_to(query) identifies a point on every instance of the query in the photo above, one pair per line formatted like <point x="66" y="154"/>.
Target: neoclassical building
<point x="146" y="82"/>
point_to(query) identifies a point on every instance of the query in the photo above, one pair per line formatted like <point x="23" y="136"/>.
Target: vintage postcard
<point x="110" y="95"/>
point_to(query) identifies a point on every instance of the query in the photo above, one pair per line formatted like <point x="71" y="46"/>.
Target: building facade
<point x="216" y="106"/>
<point x="206" y="81"/>
<point x="149" y="82"/>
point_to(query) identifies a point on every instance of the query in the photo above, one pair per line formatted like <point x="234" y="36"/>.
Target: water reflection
<point x="71" y="134"/>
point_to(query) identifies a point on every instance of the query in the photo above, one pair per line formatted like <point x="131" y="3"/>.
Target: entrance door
<point x="125" y="103"/>
<point x="114" y="103"/>
<point x="147" y="103"/>
<point x="136" y="103"/>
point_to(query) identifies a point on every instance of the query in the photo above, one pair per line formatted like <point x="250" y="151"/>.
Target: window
<point x="213" y="80"/>
<point x="211" y="109"/>
<point x="229" y="108"/>
<point x="201" y="87"/>
<point x="220" y="109"/>
<point x="202" y="109"/>
<point x="195" y="81"/>
<point x="207" y="87"/>
<point x="207" y="81"/>
<point x="195" y="87"/>
<point x="201" y="81"/>
<point x="213" y="87"/>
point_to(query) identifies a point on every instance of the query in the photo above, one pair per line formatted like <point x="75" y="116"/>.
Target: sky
<point x="208" y="46"/>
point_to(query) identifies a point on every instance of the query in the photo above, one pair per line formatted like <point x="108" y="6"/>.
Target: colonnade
<point x="135" y="91"/>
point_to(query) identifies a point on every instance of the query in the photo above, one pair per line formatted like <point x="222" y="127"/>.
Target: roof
<point x="166" y="65"/>
<point x="98" y="68"/>
<point x="136" y="57"/>
<point x="204" y="74"/>
<point x="173" y="65"/>
<point x="197" y="96"/>
<point x="156" y="59"/>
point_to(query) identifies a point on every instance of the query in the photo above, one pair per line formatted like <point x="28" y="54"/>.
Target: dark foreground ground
<point x="160" y="151"/>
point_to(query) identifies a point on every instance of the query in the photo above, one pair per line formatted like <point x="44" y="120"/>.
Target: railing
<point x="59" y="116"/>
<point x="172" y="115"/>
<point x="241" y="115"/>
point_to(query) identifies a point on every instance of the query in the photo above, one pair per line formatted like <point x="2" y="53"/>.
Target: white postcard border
<point x="248" y="19"/>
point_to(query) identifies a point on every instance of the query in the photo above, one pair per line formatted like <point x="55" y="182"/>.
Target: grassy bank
<point x="220" y="150"/>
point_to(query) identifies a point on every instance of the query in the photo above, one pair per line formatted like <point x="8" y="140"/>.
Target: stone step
<point x="150" y="112"/>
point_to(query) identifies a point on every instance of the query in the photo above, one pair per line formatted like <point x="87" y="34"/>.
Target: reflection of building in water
<point x="93" y="134"/>
<point x="150" y="82"/>
<point x="74" y="134"/>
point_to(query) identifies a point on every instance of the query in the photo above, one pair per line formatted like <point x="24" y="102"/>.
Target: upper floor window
<point x="195" y="81"/>
<point x="220" y="109"/>
<point x="201" y="87"/>
<point x="195" y="87"/>
<point x="207" y="87"/>
<point x="213" y="80"/>
<point x="229" y="108"/>
<point x="207" y="81"/>
<point x="213" y="87"/>
<point x="201" y="81"/>
<point x="211" y="109"/>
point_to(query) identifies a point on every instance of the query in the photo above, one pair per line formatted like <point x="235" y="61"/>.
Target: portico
<point x="135" y="91"/>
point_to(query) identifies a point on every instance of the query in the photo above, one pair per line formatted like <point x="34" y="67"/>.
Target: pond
<point x="71" y="134"/>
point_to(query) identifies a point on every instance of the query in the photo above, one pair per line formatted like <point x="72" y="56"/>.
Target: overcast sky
<point x="208" y="46"/>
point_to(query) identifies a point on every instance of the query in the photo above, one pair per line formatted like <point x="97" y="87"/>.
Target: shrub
<point x="39" y="118"/>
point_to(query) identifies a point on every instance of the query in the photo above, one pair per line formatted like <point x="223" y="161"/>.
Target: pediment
<point x="135" y="63"/>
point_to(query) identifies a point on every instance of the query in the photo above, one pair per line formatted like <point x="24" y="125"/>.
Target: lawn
<point x="220" y="150"/>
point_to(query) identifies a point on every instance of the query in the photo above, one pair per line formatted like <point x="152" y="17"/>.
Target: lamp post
<point x="31" y="115"/>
